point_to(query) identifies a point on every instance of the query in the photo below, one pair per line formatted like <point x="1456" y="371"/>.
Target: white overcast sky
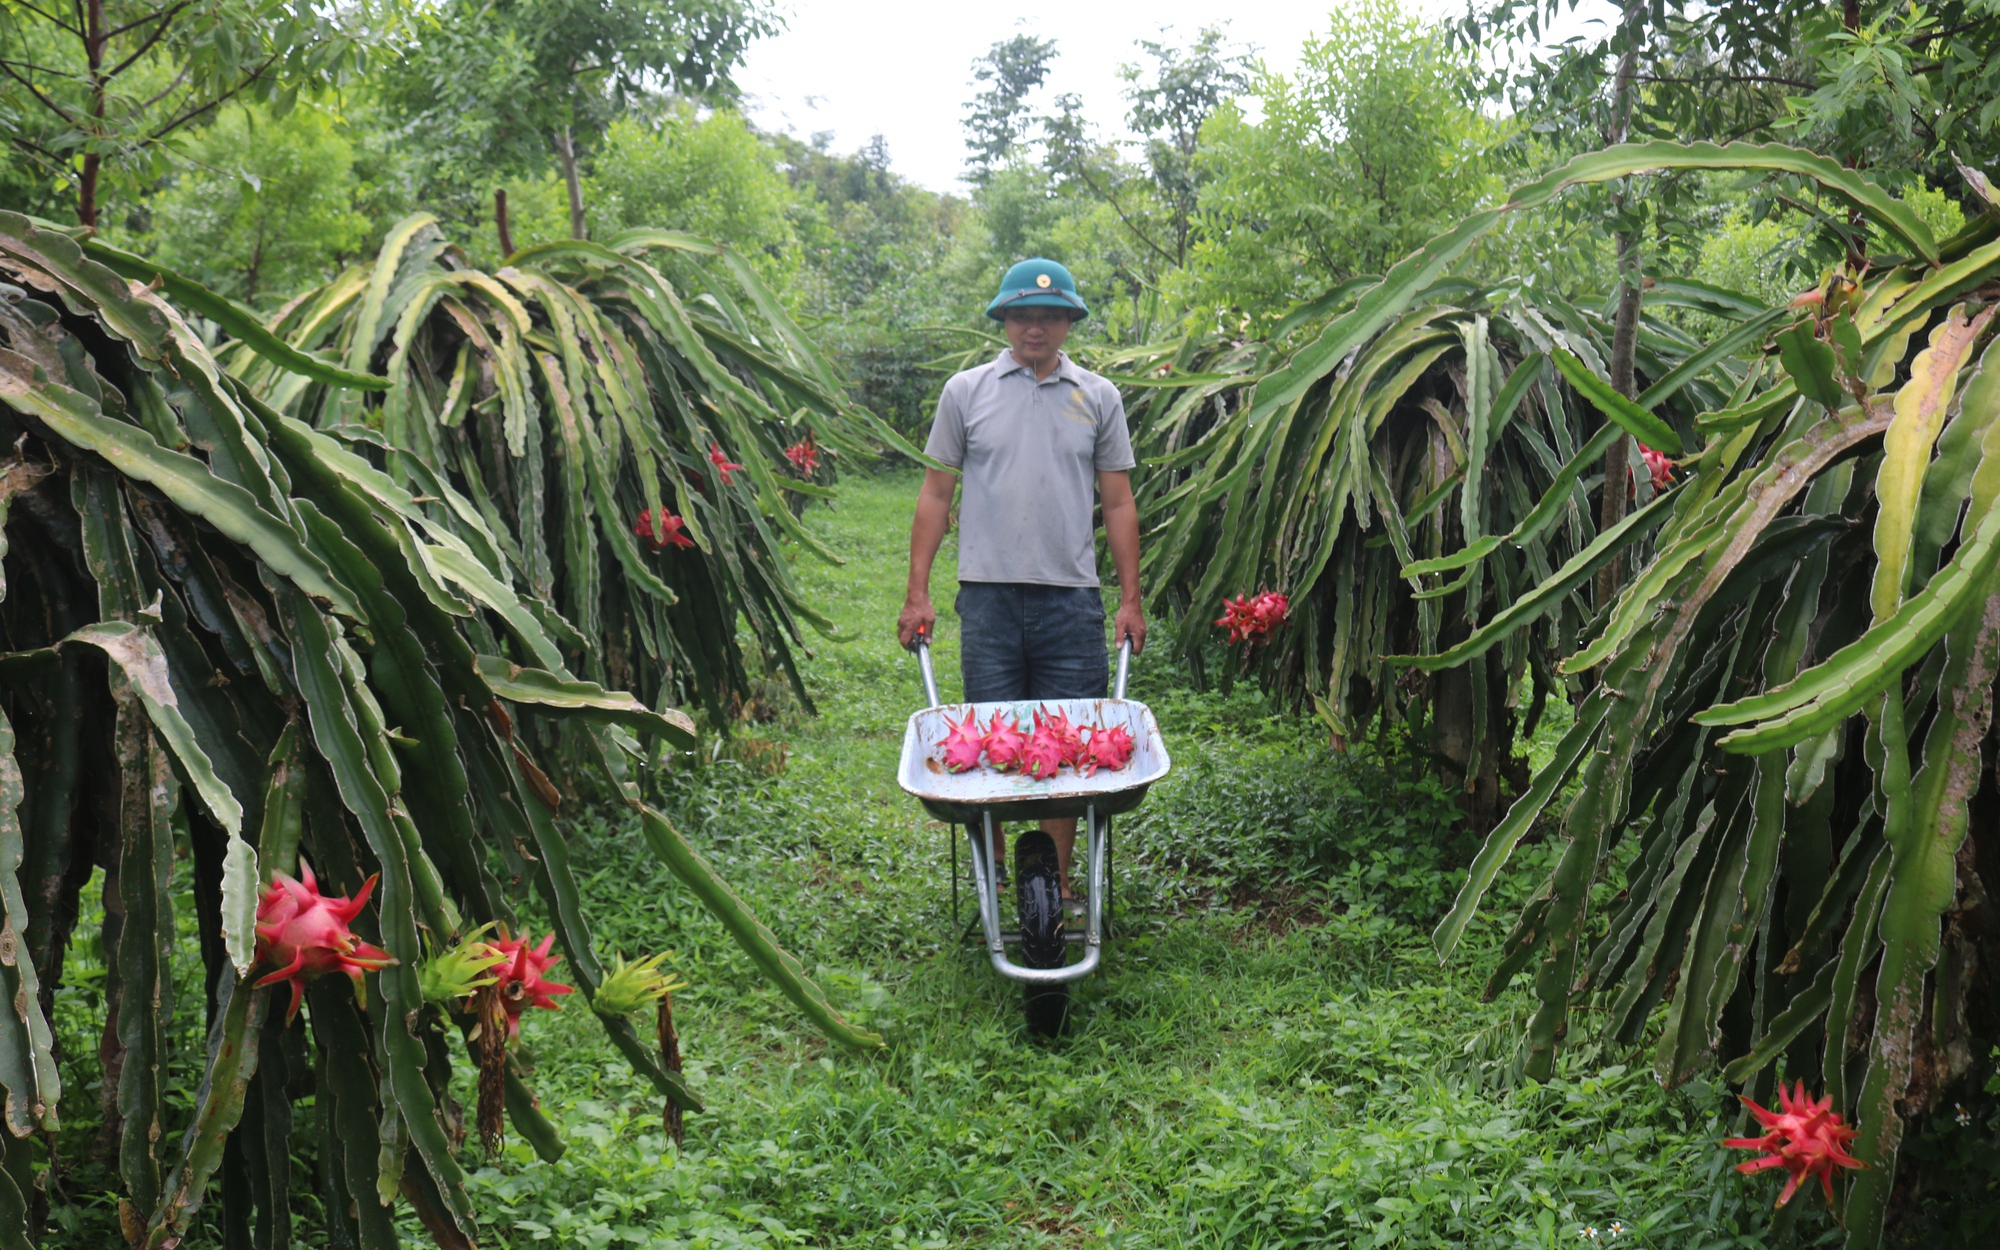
<point x="903" y="68"/>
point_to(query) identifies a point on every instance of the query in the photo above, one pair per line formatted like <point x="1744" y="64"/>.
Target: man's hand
<point x="919" y="617"/>
<point x="1129" y="623"/>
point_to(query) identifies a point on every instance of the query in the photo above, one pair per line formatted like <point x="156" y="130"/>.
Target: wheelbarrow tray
<point x="962" y="797"/>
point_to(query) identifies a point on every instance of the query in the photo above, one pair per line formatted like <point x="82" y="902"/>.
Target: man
<point x="1039" y="442"/>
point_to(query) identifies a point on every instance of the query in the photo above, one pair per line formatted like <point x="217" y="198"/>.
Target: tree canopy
<point x="87" y="89"/>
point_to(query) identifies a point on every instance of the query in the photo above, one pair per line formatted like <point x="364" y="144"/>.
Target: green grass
<point x="1271" y="1057"/>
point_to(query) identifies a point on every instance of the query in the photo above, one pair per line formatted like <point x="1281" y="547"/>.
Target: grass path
<point x="1230" y="1079"/>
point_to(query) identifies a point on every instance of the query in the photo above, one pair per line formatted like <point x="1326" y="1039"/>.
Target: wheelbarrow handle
<point x="921" y="644"/>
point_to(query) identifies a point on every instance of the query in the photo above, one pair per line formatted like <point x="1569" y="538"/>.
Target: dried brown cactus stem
<point x="670" y="1059"/>
<point x="489" y="1051"/>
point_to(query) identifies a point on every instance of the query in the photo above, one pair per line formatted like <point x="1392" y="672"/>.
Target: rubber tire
<point x="1038" y="891"/>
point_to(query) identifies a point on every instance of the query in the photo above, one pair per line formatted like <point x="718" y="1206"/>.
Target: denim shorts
<point x="1021" y="641"/>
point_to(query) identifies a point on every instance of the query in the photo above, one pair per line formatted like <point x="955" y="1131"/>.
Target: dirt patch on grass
<point x="1057" y="1220"/>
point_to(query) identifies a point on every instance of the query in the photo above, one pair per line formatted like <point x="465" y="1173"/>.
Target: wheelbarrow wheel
<point x="1038" y="887"/>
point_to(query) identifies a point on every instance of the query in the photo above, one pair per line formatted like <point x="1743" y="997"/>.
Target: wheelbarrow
<point x="981" y="799"/>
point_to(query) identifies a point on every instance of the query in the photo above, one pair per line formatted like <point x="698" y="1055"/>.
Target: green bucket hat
<point x="1037" y="283"/>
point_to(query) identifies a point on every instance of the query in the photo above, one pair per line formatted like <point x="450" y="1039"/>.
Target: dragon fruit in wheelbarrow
<point x="1066" y="735"/>
<point x="1004" y="744"/>
<point x="1054" y="743"/>
<point x="963" y="744"/>
<point x="1109" y="748"/>
<point x="1046" y="751"/>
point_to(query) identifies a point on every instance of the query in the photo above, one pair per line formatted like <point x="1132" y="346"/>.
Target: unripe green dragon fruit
<point x="451" y="976"/>
<point x="630" y="987"/>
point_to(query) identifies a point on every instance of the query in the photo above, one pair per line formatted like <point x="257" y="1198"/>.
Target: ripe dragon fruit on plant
<point x="1004" y="744"/>
<point x="1253" y="616"/>
<point x="1043" y="757"/>
<point x="303" y="933"/>
<point x="670" y="525"/>
<point x="1109" y="748"/>
<point x="963" y="742"/>
<point x="1804" y="1137"/>
<point x="723" y="464"/>
<point x="804" y="456"/>
<point x="1660" y="465"/>
<point x="521" y="984"/>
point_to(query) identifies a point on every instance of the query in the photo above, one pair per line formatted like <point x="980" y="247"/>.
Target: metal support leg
<point x="1100" y="862"/>
<point x="986" y="881"/>
<point x="1110" y="874"/>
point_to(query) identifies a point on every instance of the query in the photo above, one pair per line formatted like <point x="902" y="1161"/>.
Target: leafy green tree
<point x="1767" y="258"/>
<point x="267" y="207"/>
<point x="998" y="120"/>
<point x="874" y="242"/>
<point x="879" y="273"/>
<point x="1083" y="164"/>
<point x="1894" y="88"/>
<point x="709" y="175"/>
<point x="1129" y="223"/>
<point x="103" y="86"/>
<point x="504" y="87"/>
<point x="1361" y="155"/>
<point x="1186" y="87"/>
<point x="1904" y="91"/>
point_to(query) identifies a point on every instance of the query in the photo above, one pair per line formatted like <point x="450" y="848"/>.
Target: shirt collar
<point x="1066" y="369"/>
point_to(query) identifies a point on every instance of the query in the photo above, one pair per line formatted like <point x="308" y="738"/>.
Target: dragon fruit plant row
<point x="224" y="628"/>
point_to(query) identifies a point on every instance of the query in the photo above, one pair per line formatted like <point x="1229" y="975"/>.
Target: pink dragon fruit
<point x="1067" y="736"/>
<point x="962" y="744"/>
<point x="723" y="464"/>
<point x="671" y="526"/>
<point x="1804" y="1137"/>
<point x="1110" y="748"/>
<point x="1042" y="758"/>
<point x="1004" y="744"/>
<point x="1660" y="465"/>
<point x="804" y="456"/>
<point x="521" y="983"/>
<point x="1253" y="616"/>
<point x="303" y="933"/>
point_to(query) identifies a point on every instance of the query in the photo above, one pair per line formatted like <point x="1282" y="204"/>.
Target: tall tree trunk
<point x="1625" y="322"/>
<point x="566" y="156"/>
<point x="93" y="56"/>
<point x="500" y="223"/>
<point x="1857" y="225"/>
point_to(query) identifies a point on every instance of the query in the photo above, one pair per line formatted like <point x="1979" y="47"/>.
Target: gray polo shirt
<point x="1029" y="453"/>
